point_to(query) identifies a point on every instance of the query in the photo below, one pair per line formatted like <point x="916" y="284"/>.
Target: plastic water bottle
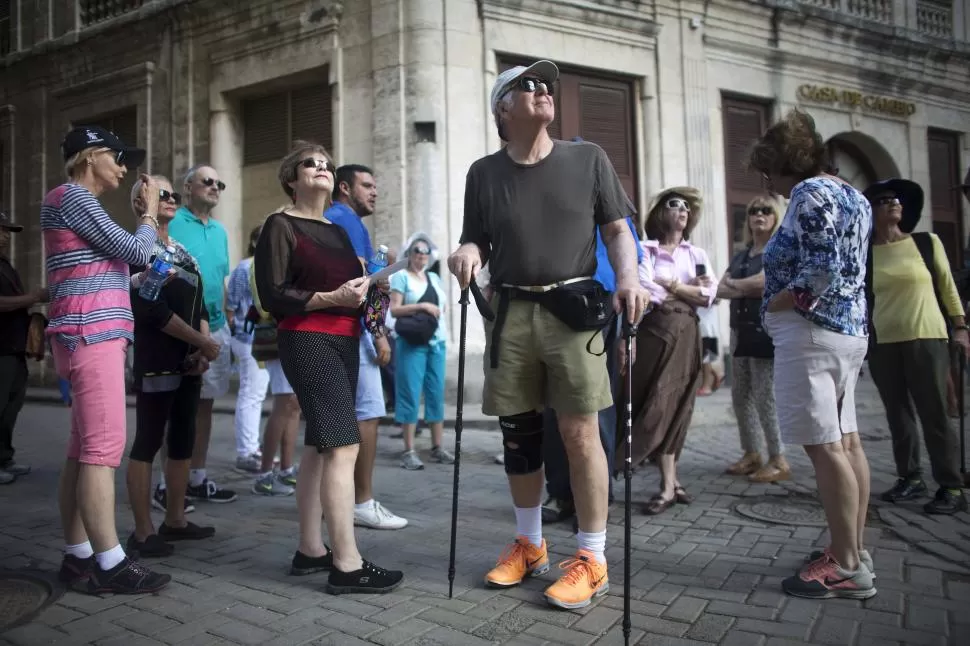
<point x="378" y="262"/>
<point x="157" y="274"/>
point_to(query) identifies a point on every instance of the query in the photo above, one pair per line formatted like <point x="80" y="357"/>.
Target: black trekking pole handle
<point x="480" y="302"/>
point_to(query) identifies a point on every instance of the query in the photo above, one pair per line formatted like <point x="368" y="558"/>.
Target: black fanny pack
<point x="583" y="305"/>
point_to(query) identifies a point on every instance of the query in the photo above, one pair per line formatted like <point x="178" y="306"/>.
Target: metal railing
<point x="94" y="11"/>
<point x="934" y="18"/>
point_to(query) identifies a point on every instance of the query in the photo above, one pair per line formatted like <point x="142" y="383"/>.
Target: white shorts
<point x="215" y="380"/>
<point x="816" y="371"/>
<point x="278" y="384"/>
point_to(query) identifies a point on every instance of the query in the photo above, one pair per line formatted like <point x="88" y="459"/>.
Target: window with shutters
<point x="598" y="109"/>
<point x="125" y="125"/>
<point x="946" y="206"/>
<point x="272" y="123"/>
<point x="743" y="122"/>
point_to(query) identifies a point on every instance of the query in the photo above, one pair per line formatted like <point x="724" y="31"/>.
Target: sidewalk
<point x="702" y="574"/>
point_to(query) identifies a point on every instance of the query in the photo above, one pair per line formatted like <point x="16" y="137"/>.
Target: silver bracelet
<point x="153" y="219"/>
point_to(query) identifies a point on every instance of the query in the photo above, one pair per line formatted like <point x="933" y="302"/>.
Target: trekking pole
<point x="629" y="334"/>
<point x="463" y="301"/>
<point x="962" y="363"/>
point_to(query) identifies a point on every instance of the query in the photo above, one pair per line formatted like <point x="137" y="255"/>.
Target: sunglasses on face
<point x="677" y="203"/>
<point x="169" y="196"/>
<point x="421" y="251"/>
<point x="209" y="182"/>
<point x="319" y="164"/>
<point x="531" y="85"/>
<point x="887" y="201"/>
<point x="761" y="210"/>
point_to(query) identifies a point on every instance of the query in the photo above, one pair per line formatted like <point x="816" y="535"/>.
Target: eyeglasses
<point x="678" y="203"/>
<point x="169" y="196"/>
<point x="208" y="181"/>
<point x="761" y="210"/>
<point x="421" y="251"/>
<point x="530" y="85"/>
<point x="319" y="164"/>
<point x="887" y="201"/>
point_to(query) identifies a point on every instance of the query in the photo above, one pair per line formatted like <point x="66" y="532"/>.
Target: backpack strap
<point x="870" y="297"/>
<point x="924" y="243"/>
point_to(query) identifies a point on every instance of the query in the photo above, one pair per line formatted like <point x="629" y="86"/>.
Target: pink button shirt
<point x="681" y="264"/>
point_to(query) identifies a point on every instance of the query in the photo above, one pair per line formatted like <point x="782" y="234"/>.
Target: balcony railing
<point x="934" y="18"/>
<point x="93" y="11"/>
<point x="875" y="10"/>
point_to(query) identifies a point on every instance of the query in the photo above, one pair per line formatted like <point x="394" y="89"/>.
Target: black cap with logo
<point x="84" y="137"/>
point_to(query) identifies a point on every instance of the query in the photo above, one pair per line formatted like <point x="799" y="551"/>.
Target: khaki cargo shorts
<point x="542" y="363"/>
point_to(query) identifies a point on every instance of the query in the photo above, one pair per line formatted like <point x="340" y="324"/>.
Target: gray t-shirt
<point x="536" y="224"/>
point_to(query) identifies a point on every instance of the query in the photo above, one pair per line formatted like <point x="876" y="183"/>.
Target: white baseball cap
<point x="545" y="70"/>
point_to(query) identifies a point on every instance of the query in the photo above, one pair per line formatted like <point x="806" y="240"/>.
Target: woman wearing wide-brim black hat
<point x="911" y="295"/>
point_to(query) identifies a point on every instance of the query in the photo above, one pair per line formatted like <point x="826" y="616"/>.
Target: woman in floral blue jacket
<point x="814" y="309"/>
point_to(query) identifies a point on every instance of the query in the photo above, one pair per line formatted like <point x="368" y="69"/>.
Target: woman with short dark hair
<point x="309" y="278"/>
<point x="815" y="312"/>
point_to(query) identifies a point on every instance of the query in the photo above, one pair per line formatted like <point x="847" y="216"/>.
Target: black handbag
<point x="420" y="327"/>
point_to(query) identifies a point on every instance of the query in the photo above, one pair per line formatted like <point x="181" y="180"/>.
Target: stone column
<point x="226" y="157"/>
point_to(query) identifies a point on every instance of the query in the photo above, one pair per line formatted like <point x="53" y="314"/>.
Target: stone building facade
<point x="674" y="90"/>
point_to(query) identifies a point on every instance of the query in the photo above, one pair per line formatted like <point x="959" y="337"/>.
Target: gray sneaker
<point x="6" y="478"/>
<point x="442" y="456"/>
<point x="15" y="469"/>
<point x="271" y="485"/>
<point x="249" y="464"/>
<point x="411" y="461"/>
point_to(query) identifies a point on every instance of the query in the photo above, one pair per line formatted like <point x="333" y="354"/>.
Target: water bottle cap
<point x="382" y="248"/>
<point x="170" y="249"/>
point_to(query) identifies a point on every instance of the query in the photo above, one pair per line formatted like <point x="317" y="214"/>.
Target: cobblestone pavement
<point x="702" y="574"/>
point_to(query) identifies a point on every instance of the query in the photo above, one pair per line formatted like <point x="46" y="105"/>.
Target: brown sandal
<point x="681" y="496"/>
<point x="658" y="505"/>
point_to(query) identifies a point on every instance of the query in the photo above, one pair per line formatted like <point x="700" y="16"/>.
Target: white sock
<point x="528" y="523"/>
<point x="81" y="550"/>
<point x="196" y="477"/>
<point x="111" y="558"/>
<point x="161" y="481"/>
<point x="287" y="472"/>
<point x="364" y="506"/>
<point x="594" y="542"/>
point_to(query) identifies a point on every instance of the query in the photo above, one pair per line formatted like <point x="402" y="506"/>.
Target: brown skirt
<point x="666" y="375"/>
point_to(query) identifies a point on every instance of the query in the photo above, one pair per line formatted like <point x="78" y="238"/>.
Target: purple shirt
<point x="682" y="265"/>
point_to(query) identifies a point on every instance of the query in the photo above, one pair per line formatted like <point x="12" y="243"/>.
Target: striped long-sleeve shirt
<point x="87" y="267"/>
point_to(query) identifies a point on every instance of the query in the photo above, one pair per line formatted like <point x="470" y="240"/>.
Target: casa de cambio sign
<point x="854" y="99"/>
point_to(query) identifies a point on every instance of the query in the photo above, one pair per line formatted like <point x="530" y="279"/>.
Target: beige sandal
<point x="747" y="465"/>
<point x="777" y="470"/>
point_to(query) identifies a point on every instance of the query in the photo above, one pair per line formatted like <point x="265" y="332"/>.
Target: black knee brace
<point x="522" y="440"/>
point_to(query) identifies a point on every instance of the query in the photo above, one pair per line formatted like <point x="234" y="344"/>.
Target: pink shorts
<point x="96" y="373"/>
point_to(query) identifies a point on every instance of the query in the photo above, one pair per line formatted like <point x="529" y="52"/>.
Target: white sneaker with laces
<point x="378" y="517"/>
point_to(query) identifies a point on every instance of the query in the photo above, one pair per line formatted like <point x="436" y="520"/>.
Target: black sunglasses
<point x="528" y="84"/>
<point x="319" y="164"/>
<point x="761" y="210"/>
<point x="208" y="181"/>
<point x="169" y="196"/>
<point x="890" y="200"/>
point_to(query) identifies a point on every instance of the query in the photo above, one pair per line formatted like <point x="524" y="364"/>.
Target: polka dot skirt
<point x="322" y="369"/>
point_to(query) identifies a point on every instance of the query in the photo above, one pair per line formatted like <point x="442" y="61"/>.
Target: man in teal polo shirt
<point x="205" y="238"/>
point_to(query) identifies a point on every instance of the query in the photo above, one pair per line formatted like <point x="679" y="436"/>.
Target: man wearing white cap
<point x="531" y="212"/>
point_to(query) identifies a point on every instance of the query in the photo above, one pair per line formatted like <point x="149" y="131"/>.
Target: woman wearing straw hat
<point x="668" y="366"/>
<point x="911" y="295"/>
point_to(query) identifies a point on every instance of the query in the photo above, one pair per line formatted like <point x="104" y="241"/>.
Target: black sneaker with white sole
<point x="127" y="577"/>
<point x="208" y="491"/>
<point x="369" y="579"/>
<point x="160" y="500"/>
<point x="153" y="547"/>
<point x="303" y="564"/>
<point x="191" y="532"/>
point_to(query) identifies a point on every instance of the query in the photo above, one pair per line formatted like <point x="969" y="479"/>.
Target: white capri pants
<point x="816" y="371"/>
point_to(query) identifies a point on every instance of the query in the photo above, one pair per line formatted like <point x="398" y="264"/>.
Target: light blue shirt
<point x="412" y="291"/>
<point x="209" y="244"/>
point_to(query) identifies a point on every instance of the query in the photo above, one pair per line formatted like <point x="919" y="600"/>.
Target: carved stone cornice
<point x="607" y="19"/>
<point x="132" y="78"/>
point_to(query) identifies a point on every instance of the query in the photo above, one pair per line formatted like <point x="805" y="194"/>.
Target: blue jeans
<point x="553" y="449"/>
<point x="420" y="369"/>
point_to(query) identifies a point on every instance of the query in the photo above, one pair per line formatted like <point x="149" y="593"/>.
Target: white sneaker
<point x="377" y="517"/>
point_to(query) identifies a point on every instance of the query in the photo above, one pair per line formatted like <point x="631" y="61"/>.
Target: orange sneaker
<point x="584" y="579"/>
<point x="519" y="560"/>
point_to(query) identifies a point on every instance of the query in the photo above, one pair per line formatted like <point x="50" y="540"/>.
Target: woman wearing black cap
<point x="911" y="295"/>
